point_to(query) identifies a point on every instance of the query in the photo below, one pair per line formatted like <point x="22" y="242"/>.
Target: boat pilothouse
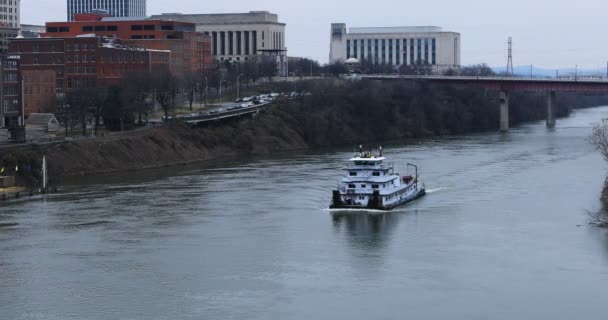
<point x="371" y="183"/>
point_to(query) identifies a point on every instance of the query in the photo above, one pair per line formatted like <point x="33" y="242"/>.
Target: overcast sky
<point x="546" y="33"/>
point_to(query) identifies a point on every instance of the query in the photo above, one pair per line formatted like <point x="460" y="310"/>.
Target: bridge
<point x="505" y="85"/>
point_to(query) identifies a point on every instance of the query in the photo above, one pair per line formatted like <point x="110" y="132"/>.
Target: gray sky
<point x="546" y="33"/>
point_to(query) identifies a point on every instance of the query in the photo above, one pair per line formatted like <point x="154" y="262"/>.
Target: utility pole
<point x="531" y="72"/>
<point x="510" y="59"/>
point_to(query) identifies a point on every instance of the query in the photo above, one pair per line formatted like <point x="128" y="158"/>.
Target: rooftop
<point x="379" y="30"/>
<point x="222" y="18"/>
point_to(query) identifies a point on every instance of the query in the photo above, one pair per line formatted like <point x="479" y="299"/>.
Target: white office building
<point x="240" y="37"/>
<point x="10" y="23"/>
<point x="395" y="46"/>
<point x="115" y="8"/>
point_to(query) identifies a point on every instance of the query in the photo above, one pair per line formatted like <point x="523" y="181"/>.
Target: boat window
<point x="376" y="174"/>
<point x="353" y="173"/>
<point x="352" y="186"/>
<point x="363" y="186"/>
<point x="375" y="186"/>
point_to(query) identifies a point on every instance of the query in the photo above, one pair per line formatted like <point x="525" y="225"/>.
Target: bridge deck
<point x="585" y="86"/>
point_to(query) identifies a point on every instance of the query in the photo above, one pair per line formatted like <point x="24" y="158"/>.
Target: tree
<point x="303" y="67"/>
<point x="336" y="69"/>
<point x="82" y="103"/>
<point x="417" y="69"/>
<point x="164" y="85"/>
<point x="189" y="83"/>
<point x="478" y="70"/>
<point x="116" y="114"/>
<point x="599" y="138"/>
<point x="137" y="93"/>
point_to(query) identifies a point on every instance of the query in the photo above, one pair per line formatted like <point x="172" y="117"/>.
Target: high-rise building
<point x="395" y="46"/>
<point x="10" y="11"/>
<point x="115" y="8"/>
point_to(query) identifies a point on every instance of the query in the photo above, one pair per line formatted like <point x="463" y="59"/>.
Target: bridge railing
<point x="487" y="78"/>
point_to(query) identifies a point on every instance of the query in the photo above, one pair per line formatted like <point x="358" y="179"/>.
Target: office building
<point x="49" y="67"/>
<point x="114" y="8"/>
<point x="240" y="37"/>
<point x="190" y="50"/>
<point x="396" y="46"/>
<point x="10" y="11"/>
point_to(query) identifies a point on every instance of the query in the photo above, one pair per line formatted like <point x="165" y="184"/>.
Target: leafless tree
<point x="599" y="138"/>
<point x="164" y="85"/>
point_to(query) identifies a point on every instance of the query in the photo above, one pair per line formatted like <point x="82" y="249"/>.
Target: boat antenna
<point x="380" y="151"/>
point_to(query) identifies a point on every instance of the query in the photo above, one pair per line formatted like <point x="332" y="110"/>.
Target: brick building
<point x="51" y="66"/>
<point x="190" y="50"/>
<point x="11" y="105"/>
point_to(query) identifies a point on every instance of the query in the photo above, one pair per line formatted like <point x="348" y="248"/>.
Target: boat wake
<point x="434" y="190"/>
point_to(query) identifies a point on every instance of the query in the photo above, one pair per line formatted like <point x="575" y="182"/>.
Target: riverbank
<point x="337" y="114"/>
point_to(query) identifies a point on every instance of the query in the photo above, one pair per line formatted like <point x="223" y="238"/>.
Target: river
<point x="502" y="234"/>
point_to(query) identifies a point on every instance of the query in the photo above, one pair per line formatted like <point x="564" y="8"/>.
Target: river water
<point x="502" y="234"/>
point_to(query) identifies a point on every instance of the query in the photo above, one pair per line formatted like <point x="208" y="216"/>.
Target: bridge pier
<point x="504" y="111"/>
<point x="551" y="100"/>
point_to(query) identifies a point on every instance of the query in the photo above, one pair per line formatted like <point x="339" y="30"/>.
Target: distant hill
<point x="544" y="72"/>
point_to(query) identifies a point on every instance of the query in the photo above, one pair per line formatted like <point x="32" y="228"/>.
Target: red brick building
<point x="190" y="50"/>
<point x="51" y="66"/>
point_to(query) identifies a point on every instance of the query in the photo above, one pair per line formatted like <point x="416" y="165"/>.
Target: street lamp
<point x="238" y="86"/>
<point x="206" y="91"/>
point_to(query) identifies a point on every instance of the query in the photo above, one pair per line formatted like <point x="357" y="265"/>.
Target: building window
<point x="412" y="59"/>
<point x="149" y="27"/>
<point x="112" y="28"/>
<point x="426" y="51"/>
<point x="230" y="43"/>
<point x="398" y="53"/>
<point x="390" y="51"/>
<point x="376" y="60"/>
<point x="137" y="27"/>
<point x="434" y="51"/>
<point x="223" y="43"/>
<point x="419" y="52"/>
<point x="52" y="29"/>
<point x="87" y="28"/>
<point x="348" y="49"/>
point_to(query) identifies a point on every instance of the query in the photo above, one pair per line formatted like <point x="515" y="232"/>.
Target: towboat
<point x="372" y="184"/>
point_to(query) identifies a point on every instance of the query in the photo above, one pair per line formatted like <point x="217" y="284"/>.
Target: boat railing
<point x="378" y="167"/>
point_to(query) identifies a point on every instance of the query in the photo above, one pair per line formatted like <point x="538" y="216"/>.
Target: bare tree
<point x="137" y="91"/>
<point x="164" y="85"/>
<point x="189" y="82"/>
<point x="599" y="138"/>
